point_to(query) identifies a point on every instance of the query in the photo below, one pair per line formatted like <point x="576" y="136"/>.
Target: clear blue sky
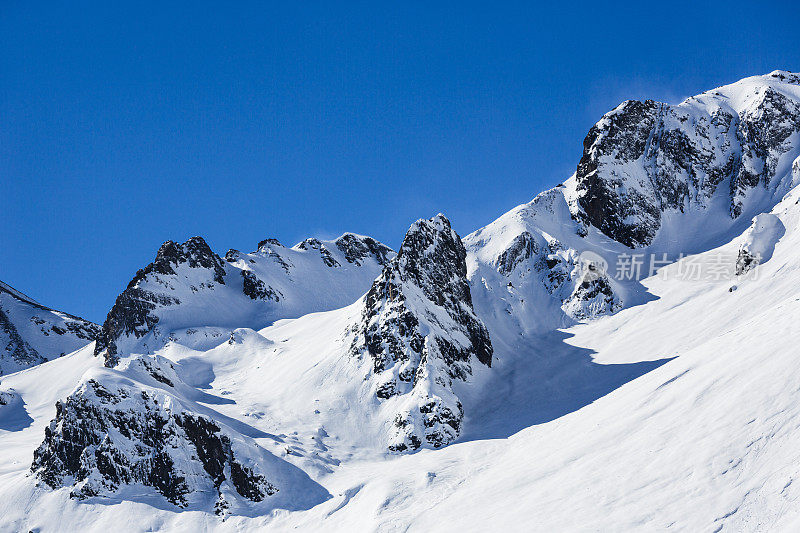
<point x="124" y="126"/>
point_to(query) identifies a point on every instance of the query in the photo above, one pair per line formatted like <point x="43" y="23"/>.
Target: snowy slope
<point x="586" y="401"/>
<point x="31" y="333"/>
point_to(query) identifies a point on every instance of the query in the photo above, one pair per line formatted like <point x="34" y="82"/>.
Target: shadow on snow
<point x="536" y="384"/>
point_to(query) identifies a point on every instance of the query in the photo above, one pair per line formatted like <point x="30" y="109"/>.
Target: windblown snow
<point x="532" y="376"/>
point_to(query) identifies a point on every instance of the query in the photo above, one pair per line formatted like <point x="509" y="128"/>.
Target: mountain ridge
<point x="337" y="383"/>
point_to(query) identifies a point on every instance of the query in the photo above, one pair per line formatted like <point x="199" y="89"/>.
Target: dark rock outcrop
<point x="645" y="158"/>
<point x="257" y="289"/>
<point x="105" y="437"/>
<point x="189" y="286"/>
<point x="133" y="312"/>
<point x="420" y="332"/>
<point x="315" y="244"/>
<point x="356" y="248"/>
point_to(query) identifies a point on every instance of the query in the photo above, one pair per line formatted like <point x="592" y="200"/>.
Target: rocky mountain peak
<point x="133" y="314"/>
<point x="356" y="248"/>
<point x="647" y="158"/>
<point x="135" y="426"/>
<point x="189" y="286"/>
<point x="420" y="332"/>
<point x="266" y="243"/>
<point x="195" y="252"/>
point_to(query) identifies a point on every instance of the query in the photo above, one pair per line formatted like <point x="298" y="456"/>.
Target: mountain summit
<point x="420" y="331"/>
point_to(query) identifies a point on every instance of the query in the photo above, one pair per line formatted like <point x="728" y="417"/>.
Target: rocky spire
<point x="420" y="332"/>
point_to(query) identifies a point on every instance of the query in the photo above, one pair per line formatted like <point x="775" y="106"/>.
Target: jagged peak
<point x="308" y="243"/>
<point x="420" y="332"/>
<point x="267" y="243"/>
<point x="424" y="233"/>
<point x="439" y="222"/>
<point x="643" y="159"/>
<point x="195" y="252"/>
<point x="432" y="255"/>
<point x="739" y="96"/>
<point x="356" y="247"/>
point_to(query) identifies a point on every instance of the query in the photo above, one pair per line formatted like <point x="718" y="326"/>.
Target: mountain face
<point x="654" y="179"/>
<point x="31" y="333"/>
<point x="521" y="364"/>
<point x="645" y="159"/>
<point x="420" y="331"/>
<point x="188" y="285"/>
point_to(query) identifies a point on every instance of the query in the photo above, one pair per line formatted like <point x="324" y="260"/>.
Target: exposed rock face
<point x="645" y="158"/>
<point x="592" y="296"/>
<point x="257" y="289"/>
<point x="523" y="272"/>
<point x="31" y="333"/>
<point x="315" y="244"/>
<point x="421" y="333"/>
<point x="746" y="261"/>
<point x="522" y="248"/>
<point x="195" y="253"/>
<point x="357" y="248"/>
<point x="134" y="313"/>
<point x="107" y="436"/>
<point x="7" y="397"/>
<point x="584" y="292"/>
<point x="622" y="135"/>
<point x="16" y="348"/>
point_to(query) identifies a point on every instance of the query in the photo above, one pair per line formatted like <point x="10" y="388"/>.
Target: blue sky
<point x="124" y="126"/>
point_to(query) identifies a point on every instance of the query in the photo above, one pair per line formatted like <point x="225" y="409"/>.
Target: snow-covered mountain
<point x="188" y="286"/>
<point x="31" y="333"/>
<point x="617" y="354"/>
<point x="141" y="426"/>
<point x="654" y="179"/>
<point x="648" y="167"/>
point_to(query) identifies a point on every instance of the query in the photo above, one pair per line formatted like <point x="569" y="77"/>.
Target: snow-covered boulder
<point x="420" y="333"/>
<point x="758" y="242"/>
<point x="136" y="426"/>
<point x="7" y="397"/>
